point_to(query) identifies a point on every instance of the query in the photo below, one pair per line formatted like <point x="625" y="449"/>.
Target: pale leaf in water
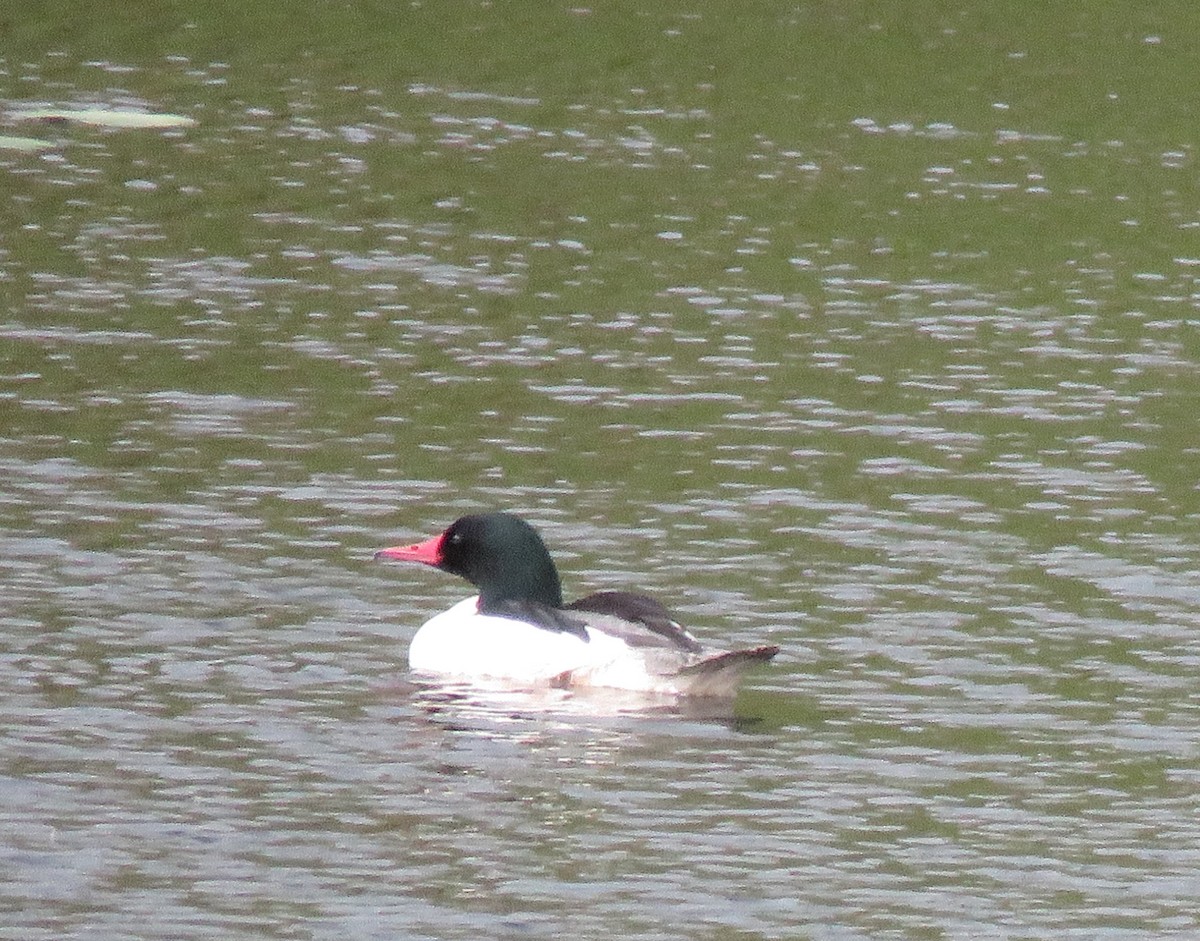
<point x="106" y="117"/>
<point x="23" y="144"/>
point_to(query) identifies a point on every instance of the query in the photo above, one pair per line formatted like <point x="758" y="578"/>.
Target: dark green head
<point x="501" y="554"/>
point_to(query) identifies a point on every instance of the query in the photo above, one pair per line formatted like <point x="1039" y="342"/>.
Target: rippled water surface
<point x="874" y="337"/>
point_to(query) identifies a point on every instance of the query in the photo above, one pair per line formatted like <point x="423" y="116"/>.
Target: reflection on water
<point x="478" y="706"/>
<point x="897" y="374"/>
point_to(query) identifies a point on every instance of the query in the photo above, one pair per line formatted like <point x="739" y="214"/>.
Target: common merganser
<point x="517" y="628"/>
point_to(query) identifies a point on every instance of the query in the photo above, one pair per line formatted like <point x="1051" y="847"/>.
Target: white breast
<point x="462" y="642"/>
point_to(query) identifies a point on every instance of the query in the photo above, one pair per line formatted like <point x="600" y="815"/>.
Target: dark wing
<point x="638" y="610"/>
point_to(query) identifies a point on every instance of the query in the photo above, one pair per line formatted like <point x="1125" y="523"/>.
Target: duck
<point x="517" y="630"/>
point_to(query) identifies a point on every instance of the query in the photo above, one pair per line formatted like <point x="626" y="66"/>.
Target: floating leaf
<point x="105" y="117"/>
<point x="24" y="144"/>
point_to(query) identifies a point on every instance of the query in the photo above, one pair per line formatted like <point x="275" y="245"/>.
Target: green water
<point x="870" y="332"/>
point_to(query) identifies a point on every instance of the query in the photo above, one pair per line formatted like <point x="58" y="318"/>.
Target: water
<point x="872" y="337"/>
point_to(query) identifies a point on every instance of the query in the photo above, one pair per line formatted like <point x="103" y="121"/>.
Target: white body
<point x="464" y="643"/>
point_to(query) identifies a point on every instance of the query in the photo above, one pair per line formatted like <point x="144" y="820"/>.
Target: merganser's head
<point x="501" y="554"/>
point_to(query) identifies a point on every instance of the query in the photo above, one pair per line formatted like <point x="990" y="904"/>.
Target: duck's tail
<point x="720" y="673"/>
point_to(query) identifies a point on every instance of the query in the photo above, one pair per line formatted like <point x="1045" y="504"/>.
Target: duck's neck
<point x="523" y="578"/>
